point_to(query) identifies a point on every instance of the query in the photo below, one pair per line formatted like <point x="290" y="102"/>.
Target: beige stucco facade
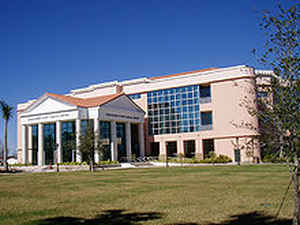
<point x="232" y="126"/>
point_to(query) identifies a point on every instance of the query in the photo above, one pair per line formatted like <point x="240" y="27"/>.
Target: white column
<point x="96" y="131"/>
<point x="128" y="141"/>
<point x="24" y="144"/>
<point x="29" y="145"/>
<point x="141" y="139"/>
<point x="199" y="150"/>
<point x="180" y="147"/>
<point x="162" y="150"/>
<point x="59" y="154"/>
<point x="78" y="133"/>
<point x="41" y="158"/>
<point x="113" y="144"/>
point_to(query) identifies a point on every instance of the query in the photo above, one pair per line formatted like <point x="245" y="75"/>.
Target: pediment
<point x="123" y="103"/>
<point x="48" y="104"/>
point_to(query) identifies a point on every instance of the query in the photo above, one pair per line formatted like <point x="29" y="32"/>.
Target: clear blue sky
<point x="57" y="45"/>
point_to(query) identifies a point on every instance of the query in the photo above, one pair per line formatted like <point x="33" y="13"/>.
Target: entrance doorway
<point x="122" y="154"/>
<point x="154" y="148"/>
<point x="135" y="150"/>
<point x="171" y="148"/>
<point x="189" y="148"/>
<point x="208" y="148"/>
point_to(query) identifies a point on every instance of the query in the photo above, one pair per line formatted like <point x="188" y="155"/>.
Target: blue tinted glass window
<point x="135" y="96"/>
<point x="206" y="118"/>
<point x="261" y="94"/>
<point x="104" y="127"/>
<point x="177" y="111"/>
<point x="205" y="91"/>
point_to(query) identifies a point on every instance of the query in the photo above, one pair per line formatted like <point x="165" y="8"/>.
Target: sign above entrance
<point x="122" y="116"/>
<point x="47" y="117"/>
<point x="52" y="117"/>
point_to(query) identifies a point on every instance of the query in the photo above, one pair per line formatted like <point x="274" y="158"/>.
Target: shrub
<point x="223" y="159"/>
<point x="72" y="163"/>
<point x="271" y="158"/>
<point x="212" y="159"/>
<point x="20" y="164"/>
<point x="107" y="162"/>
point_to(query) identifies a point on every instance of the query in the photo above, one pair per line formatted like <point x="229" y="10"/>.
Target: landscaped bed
<point x="181" y="195"/>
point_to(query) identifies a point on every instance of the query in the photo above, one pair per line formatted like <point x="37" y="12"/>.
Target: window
<point x="171" y="148"/>
<point x="208" y="147"/>
<point x="104" y="129"/>
<point x="175" y="105"/>
<point x="135" y="96"/>
<point x="68" y="138"/>
<point x="122" y="144"/>
<point x="261" y="94"/>
<point x="35" y="143"/>
<point x="49" y="131"/>
<point x="205" y="91"/>
<point x="189" y="148"/>
<point x="206" y="118"/>
<point x="84" y="124"/>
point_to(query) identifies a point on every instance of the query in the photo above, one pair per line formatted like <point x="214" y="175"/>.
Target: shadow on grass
<point x="253" y="218"/>
<point x="108" y="217"/>
<point x="120" y="217"/>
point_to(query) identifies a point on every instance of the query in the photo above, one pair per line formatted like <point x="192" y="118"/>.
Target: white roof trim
<point x="135" y="81"/>
<point x="41" y="100"/>
<point x="95" y="86"/>
<point x="240" y="67"/>
<point x="264" y="72"/>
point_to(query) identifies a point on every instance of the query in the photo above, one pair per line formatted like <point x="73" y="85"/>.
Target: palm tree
<point x="7" y="113"/>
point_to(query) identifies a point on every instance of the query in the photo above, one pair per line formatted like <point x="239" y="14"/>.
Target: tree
<point x="7" y="113"/>
<point x="278" y="111"/>
<point x="89" y="144"/>
<point x="1" y="151"/>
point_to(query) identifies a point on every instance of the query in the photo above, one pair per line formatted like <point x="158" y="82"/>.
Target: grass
<point x="198" y="195"/>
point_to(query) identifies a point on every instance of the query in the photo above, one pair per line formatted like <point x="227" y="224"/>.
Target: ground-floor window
<point x="135" y="149"/>
<point x="171" y="148"/>
<point x="35" y="144"/>
<point x="154" y="148"/>
<point x="68" y="141"/>
<point x="189" y="148"/>
<point x="84" y="125"/>
<point x="121" y="135"/>
<point x="105" y="136"/>
<point x="208" y="147"/>
<point x="49" y="131"/>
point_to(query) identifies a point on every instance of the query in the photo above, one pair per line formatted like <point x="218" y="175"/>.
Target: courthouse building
<point x="190" y="113"/>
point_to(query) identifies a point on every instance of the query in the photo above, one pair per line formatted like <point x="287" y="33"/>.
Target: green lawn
<point x="202" y="195"/>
